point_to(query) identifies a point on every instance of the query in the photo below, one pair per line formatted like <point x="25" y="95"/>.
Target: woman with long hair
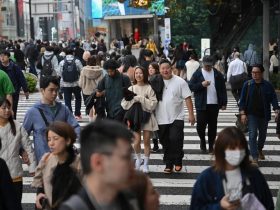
<point x="57" y="176"/>
<point x="13" y="138"/>
<point x="147" y="98"/>
<point x="91" y="75"/>
<point x="232" y="181"/>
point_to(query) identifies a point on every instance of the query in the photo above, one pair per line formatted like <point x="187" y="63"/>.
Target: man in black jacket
<point x="15" y="74"/>
<point x="210" y="95"/>
<point x="107" y="166"/>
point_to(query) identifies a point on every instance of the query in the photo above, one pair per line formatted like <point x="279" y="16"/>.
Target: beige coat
<point x="44" y="172"/>
<point x="147" y="97"/>
<point x="89" y="78"/>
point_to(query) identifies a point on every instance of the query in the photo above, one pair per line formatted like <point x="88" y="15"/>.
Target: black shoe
<point x="155" y="148"/>
<point x="203" y="148"/>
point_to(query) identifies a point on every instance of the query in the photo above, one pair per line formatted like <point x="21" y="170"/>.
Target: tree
<point x="189" y="21"/>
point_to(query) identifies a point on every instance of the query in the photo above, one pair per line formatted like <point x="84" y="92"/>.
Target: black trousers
<point x="18" y="190"/>
<point x="15" y="104"/>
<point x="236" y="94"/>
<point x="207" y="117"/>
<point x="172" y="139"/>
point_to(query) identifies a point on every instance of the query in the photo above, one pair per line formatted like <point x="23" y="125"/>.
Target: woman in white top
<point x="13" y="136"/>
<point x="146" y="96"/>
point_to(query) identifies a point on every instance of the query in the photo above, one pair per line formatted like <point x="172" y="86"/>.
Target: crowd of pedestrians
<point x="129" y="98"/>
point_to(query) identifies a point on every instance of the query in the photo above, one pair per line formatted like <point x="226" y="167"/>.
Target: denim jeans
<point x="68" y="97"/>
<point x="257" y="128"/>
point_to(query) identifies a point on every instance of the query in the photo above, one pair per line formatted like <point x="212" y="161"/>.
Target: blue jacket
<point x="16" y="76"/>
<point x="200" y="92"/>
<point x="208" y="189"/>
<point x="33" y="121"/>
<point x="268" y="97"/>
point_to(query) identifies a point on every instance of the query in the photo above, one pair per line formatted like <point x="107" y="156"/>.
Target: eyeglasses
<point x="5" y="108"/>
<point x="126" y="157"/>
<point x="256" y="72"/>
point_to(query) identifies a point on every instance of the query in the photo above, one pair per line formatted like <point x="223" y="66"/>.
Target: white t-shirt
<point x="171" y="107"/>
<point x="211" y="90"/>
<point x="191" y="67"/>
<point x="233" y="186"/>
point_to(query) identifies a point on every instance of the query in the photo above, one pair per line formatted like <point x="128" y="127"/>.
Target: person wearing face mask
<point x="231" y="179"/>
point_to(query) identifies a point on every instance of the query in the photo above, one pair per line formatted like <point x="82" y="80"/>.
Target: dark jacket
<point x="157" y="84"/>
<point x="208" y="189"/>
<point x="268" y="95"/>
<point x="136" y="117"/>
<point x="16" y="76"/>
<point x="200" y="92"/>
<point x="7" y="193"/>
<point x="72" y="203"/>
<point x="98" y="103"/>
<point x="113" y="87"/>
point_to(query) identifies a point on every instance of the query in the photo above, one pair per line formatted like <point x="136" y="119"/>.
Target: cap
<point x="208" y="60"/>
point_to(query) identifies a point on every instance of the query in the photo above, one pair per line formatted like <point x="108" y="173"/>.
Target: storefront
<point x="127" y="17"/>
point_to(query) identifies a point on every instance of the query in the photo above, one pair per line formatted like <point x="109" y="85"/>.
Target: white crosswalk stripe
<point x="175" y="189"/>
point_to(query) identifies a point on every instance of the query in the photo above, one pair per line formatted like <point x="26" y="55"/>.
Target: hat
<point x="208" y="60"/>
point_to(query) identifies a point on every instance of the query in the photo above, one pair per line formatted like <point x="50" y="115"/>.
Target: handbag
<point x="237" y="81"/>
<point x="242" y="126"/>
<point x="251" y="202"/>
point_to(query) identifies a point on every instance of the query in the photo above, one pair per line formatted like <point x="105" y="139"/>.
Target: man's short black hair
<point x="6" y="52"/>
<point x="129" y="61"/>
<point x="101" y="137"/>
<point x="49" y="48"/>
<point x="148" y="53"/>
<point x="260" y="66"/>
<point x="46" y="80"/>
<point x="162" y="61"/>
<point x="111" y="64"/>
<point x="69" y="51"/>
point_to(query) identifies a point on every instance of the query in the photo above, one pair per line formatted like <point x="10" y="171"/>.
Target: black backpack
<point x="47" y="68"/>
<point x="70" y="71"/>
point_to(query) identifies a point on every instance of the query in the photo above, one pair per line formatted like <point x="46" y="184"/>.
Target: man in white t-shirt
<point x="170" y="116"/>
<point x="210" y="95"/>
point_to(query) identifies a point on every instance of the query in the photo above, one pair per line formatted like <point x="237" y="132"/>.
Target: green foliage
<point x="275" y="80"/>
<point x="106" y="2"/>
<point x="189" y="21"/>
<point x="157" y="7"/>
<point x="31" y="80"/>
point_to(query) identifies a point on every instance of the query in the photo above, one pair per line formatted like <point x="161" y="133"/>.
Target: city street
<point x="175" y="189"/>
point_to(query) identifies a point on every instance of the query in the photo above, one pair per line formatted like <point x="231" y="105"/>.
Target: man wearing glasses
<point x="256" y="97"/>
<point x="107" y="166"/>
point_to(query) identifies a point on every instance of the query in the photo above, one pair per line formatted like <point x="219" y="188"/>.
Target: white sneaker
<point x="138" y="164"/>
<point x="146" y="169"/>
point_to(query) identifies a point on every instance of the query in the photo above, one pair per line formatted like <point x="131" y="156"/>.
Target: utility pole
<point x="31" y="22"/>
<point x="266" y="38"/>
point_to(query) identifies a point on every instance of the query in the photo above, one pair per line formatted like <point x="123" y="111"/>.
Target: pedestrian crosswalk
<point x="175" y="189"/>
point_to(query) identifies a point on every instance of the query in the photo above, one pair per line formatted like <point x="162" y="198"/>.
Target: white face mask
<point x="234" y="157"/>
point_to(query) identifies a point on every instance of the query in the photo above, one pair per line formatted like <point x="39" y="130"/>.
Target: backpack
<point x="70" y="71"/>
<point x="47" y="68"/>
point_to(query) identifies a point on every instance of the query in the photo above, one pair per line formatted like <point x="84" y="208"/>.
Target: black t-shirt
<point x="258" y="106"/>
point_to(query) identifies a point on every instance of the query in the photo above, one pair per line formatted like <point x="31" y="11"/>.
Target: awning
<point x="119" y="17"/>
